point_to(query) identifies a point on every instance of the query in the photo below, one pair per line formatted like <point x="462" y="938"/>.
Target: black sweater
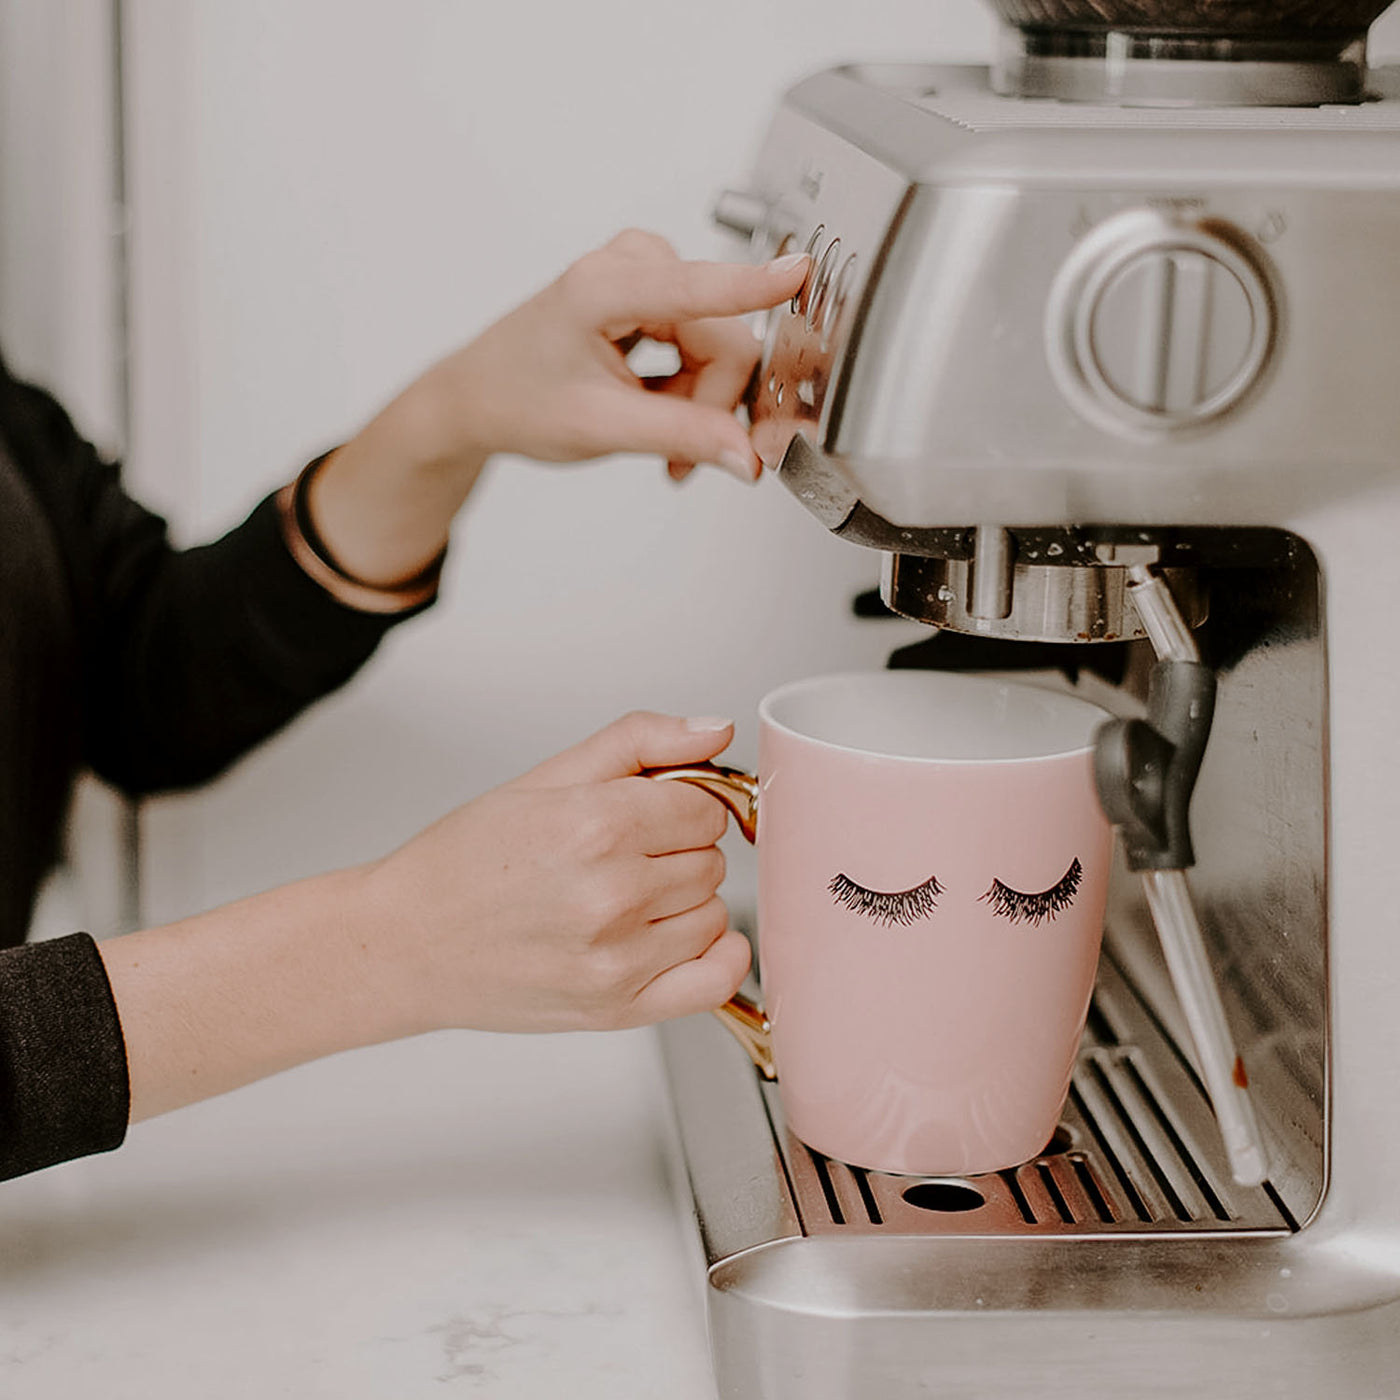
<point x="154" y="667"/>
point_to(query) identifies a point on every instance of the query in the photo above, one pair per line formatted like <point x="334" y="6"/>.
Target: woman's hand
<point x="551" y="381"/>
<point x="579" y="896"/>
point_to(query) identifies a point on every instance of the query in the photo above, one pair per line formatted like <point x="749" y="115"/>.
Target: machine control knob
<point x="742" y="213"/>
<point x="753" y="217"/>
<point x="1155" y="324"/>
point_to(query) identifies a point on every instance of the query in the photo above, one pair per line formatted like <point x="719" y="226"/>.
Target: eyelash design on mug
<point x="1035" y="909"/>
<point x="903" y="907"/>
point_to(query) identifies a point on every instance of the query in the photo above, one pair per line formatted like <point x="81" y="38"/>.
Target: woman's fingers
<point x="717" y="362"/>
<point x="622" y="292"/>
<point x="683" y="937"/>
<point x="642" y="739"/>
<point x="699" y="984"/>
<point x="682" y="881"/>
<point x="723" y="355"/>
<point x="664" y="818"/>
<point x="641" y="243"/>
<point x="681" y="430"/>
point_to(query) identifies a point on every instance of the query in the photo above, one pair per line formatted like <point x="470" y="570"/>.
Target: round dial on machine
<point x="1155" y="324"/>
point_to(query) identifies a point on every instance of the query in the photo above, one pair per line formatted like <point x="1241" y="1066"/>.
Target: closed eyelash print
<point x="903" y="907"/>
<point x="1035" y="909"/>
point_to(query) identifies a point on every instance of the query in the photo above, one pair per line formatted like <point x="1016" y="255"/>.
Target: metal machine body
<point x="1065" y="338"/>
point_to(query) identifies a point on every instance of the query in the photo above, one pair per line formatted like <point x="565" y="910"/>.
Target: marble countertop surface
<point x="462" y="1214"/>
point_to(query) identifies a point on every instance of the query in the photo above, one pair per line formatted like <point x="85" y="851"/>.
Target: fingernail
<point x="745" y="468"/>
<point x="708" y="724"/>
<point x="790" y="263"/>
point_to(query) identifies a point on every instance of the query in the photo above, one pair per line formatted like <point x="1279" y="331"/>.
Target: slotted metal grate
<point x="1136" y="1152"/>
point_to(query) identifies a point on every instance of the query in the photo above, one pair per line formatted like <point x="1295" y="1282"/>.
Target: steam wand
<point x="1145" y="771"/>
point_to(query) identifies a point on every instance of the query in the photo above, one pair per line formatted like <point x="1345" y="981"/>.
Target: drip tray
<point x="1122" y="1261"/>
<point x="1137" y="1153"/>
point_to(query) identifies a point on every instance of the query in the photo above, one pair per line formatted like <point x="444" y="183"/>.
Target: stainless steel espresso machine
<point x="1121" y="312"/>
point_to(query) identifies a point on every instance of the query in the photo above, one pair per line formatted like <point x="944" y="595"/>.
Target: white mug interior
<point x="934" y="716"/>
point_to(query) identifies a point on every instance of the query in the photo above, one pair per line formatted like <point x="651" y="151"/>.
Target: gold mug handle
<point x="742" y="1018"/>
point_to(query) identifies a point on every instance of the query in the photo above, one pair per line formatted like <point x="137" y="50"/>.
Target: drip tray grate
<point x="1137" y="1152"/>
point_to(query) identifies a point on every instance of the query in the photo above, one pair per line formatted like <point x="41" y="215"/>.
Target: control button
<point x="1155" y="325"/>
<point x="836" y="302"/>
<point x="821" y="284"/>
<point x="800" y="298"/>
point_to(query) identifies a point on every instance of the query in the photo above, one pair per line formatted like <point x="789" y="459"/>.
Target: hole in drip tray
<point x="945" y="1196"/>
<point x="1061" y="1141"/>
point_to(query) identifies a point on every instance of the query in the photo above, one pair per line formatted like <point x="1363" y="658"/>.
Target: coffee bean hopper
<point x="1101" y="350"/>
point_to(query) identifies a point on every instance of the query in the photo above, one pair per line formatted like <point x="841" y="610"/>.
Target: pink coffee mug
<point x="933" y="870"/>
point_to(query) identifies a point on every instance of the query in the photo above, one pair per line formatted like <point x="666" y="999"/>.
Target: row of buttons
<point x="822" y="297"/>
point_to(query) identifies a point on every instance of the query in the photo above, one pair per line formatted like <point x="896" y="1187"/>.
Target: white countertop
<point x="462" y="1214"/>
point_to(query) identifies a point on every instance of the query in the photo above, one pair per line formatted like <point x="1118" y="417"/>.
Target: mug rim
<point x="765" y="714"/>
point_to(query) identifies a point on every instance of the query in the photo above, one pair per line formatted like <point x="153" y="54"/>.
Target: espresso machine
<point x="1118" y="317"/>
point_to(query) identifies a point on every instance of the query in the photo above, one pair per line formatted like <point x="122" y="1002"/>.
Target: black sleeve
<point x="63" y="1078"/>
<point x="188" y="658"/>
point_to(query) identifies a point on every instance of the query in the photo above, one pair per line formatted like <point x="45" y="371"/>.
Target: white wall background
<point x="328" y="194"/>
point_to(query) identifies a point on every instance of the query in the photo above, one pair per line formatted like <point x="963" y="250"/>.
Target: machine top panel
<point x="962" y="95"/>
<point x="964" y="132"/>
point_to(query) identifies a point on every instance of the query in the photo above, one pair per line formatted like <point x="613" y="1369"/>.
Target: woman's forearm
<point x="215" y="1001"/>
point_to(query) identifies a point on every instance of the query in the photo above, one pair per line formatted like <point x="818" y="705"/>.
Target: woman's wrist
<point x="310" y="551"/>
<point x="437" y="427"/>
<point x="382" y="504"/>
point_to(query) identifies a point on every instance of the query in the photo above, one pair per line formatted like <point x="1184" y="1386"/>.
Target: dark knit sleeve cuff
<point x="63" y="1079"/>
